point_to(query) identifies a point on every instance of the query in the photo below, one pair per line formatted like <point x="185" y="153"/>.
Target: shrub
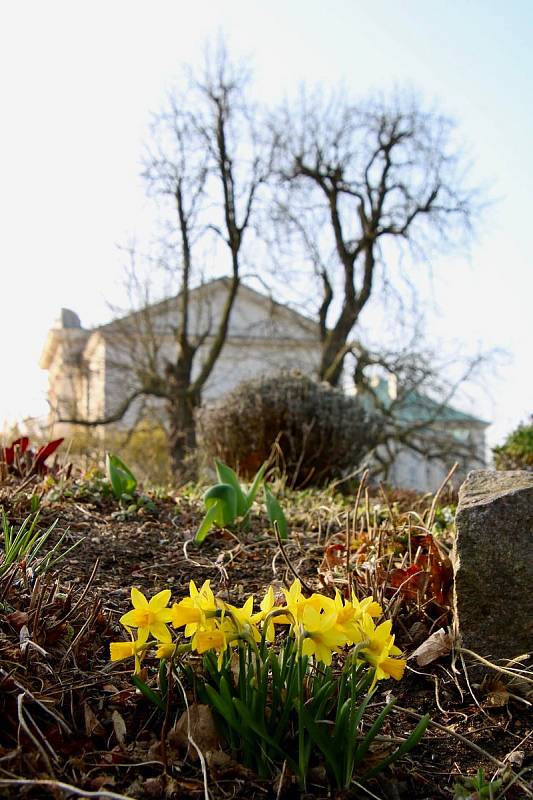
<point x="517" y="450"/>
<point x="321" y="433"/>
<point x="144" y="449"/>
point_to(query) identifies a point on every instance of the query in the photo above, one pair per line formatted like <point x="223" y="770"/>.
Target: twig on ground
<point x="66" y="787"/>
<point x="514" y="673"/>
<point x="25" y="727"/>
<point x="500" y="764"/>
<point x="438" y="494"/>
<point x="191" y="740"/>
<point x="288" y="561"/>
<point x="84" y="592"/>
<point x="349" y="532"/>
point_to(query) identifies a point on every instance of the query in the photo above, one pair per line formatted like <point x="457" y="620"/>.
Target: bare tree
<point x="410" y="392"/>
<point x="365" y="184"/>
<point x="205" y="162"/>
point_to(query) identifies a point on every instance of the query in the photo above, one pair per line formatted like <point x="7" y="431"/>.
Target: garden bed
<point x="71" y="717"/>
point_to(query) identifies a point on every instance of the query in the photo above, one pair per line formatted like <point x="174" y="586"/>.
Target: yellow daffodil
<point x="120" y="650"/>
<point x="321" y="634"/>
<point x="243" y="620"/>
<point x="296" y="603"/>
<point x="194" y="611"/>
<point x="367" y="606"/>
<point x="149" y="616"/>
<point x="379" y="649"/>
<point x="215" y="639"/>
<point x="267" y="606"/>
<point x="350" y="613"/>
<point x="166" y="650"/>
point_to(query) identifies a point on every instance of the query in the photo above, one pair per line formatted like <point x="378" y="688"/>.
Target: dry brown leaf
<point x="197" y="721"/>
<point x="24" y="638"/>
<point x="437" y="645"/>
<point x="100" y="781"/>
<point x="119" y="727"/>
<point x="17" y="619"/>
<point x="93" y="727"/>
<point x="497" y="694"/>
<point x="515" y="758"/>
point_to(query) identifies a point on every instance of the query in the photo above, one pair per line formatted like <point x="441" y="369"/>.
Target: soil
<point x="82" y="723"/>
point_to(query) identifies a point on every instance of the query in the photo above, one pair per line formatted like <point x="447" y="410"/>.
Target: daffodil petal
<point x="159" y="600"/>
<point x="130" y="618"/>
<point x="166" y="650"/>
<point x="160" y="632"/>
<point x="142" y="635"/>
<point x="138" y="600"/>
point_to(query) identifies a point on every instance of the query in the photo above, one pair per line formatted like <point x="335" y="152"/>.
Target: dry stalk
<point x="500" y="764"/>
<point x="54" y="785"/>
<point x="287" y="560"/>
<point x="191" y="740"/>
<point x="84" y="593"/>
<point x="25" y="727"/>
<point x="348" y="531"/>
<point x="437" y="495"/>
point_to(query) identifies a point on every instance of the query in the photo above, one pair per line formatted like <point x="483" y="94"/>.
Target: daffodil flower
<point x="321" y="635"/>
<point x="215" y="639"/>
<point x="166" y="650"/>
<point x="379" y="649"/>
<point x="244" y="620"/>
<point x="268" y="606"/>
<point x="149" y="616"/>
<point x="120" y="650"/>
<point x="350" y="613"/>
<point x="296" y="603"/>
<point x="194" y="611"/>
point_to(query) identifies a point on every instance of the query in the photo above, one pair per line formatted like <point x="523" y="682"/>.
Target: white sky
<point x="80" y="78"/>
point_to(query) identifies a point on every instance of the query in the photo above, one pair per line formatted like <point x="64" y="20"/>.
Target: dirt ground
<point x="81" y="722"/>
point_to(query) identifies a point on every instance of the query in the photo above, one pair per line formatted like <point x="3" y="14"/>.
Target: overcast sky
<point x="79" y="80"/>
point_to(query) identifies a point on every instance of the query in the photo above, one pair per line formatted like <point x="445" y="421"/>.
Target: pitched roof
<point x="306" y="323"/>
<point x="417" y="407"/>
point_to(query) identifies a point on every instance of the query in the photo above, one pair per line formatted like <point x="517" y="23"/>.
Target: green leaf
<point x="323" y="741"/>
<point x="121" y="478"/>
<point x="221" y="504"/>
<point x="404" y="748"/>
<point x="275" y="514"/>
<point x="261" y="731"/>
<point x="256" y="484"/>
<point x="224" y="708"/>
<point x="150" y="695"/>
<point x="372" y="733"/>
<point x="206" y="524"/>
<point x="227" y="476"/>
<point x="223" y="496"/>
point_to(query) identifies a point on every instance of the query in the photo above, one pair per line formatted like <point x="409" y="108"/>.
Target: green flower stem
<point x="301" y="703"/>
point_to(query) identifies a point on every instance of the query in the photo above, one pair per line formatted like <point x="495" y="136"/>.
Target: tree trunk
<point x="182" y="435"/>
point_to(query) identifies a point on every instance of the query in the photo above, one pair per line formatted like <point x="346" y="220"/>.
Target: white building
<point x="88" y="369"/>
<point x="91" y="371"/>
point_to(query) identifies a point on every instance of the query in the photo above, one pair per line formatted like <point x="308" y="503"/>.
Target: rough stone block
<point x="494" y="563"/>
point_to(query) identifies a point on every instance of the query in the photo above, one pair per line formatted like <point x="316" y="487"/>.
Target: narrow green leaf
<point x="150" y="695"/>
<point x="206" y="524"/>
<point x="323" y="741"/>
<point x="261" y="731"/>
<point x="404" y="748"/>
<point x="224" y="709"/>
<point x="275" y="513"/>
<point x="256" y="485"/>
<point x="372" y="733"/>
